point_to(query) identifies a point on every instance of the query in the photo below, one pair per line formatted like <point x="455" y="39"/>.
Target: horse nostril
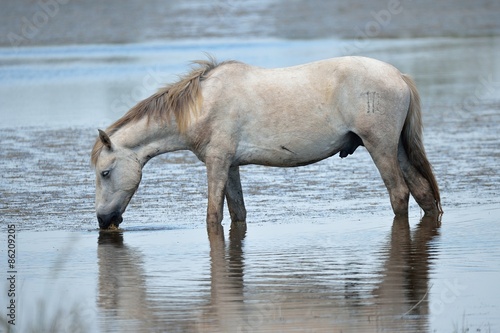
<point x="101" y="222"/>
<point x="105" y="220"/>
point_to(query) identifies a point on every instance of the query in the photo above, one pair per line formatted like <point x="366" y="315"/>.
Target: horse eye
<point x="105" y="173"/>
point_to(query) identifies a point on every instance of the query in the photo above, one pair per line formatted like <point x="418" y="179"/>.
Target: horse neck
<point x="150" y="138"/>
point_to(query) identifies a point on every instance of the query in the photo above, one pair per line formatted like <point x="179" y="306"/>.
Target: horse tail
<point x="412" y="139"/>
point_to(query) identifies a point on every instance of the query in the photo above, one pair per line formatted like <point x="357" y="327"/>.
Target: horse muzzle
<point x="105" y="220"/>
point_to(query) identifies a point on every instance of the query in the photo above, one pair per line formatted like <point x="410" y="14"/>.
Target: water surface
<point x="336" y="274"/>
<point x="321" y="251"/>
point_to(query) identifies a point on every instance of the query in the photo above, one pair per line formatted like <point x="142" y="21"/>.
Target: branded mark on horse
<point x="231" y="114"/>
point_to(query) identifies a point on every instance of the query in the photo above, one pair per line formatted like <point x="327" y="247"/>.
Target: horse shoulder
<point x="217" y="121"/>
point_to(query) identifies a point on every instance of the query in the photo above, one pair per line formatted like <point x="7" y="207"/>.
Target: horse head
<point x="118" y="174"/>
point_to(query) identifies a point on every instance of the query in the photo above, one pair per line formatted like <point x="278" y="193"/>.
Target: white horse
<point x="231" y="114"/>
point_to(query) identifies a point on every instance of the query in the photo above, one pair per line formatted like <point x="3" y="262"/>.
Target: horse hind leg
<point x="234" y="196"/>
<point x="386" y="161"/>
<point x="419" y="187"/>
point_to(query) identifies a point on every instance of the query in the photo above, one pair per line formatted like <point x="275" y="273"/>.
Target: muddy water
<point x="321" y="251"/>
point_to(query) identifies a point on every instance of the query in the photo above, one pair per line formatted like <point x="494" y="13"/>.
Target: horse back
<point x="301" y="114"/>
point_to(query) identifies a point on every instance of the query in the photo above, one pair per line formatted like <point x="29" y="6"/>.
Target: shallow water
<point x="321" y="252"/>
<point x="46" y="140"/>
<point x="334" y="274"/>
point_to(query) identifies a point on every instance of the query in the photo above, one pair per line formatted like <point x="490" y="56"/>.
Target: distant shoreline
<point x="63" y="22"/>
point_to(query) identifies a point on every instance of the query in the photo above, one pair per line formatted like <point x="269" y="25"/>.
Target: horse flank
<point x="182" y="99"/>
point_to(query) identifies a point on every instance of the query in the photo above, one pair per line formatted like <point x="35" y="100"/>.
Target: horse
<point x="231" y="114"/>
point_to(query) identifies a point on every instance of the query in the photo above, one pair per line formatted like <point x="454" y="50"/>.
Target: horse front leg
<point x="217" y="174"/>
<point x="234" y="196"/>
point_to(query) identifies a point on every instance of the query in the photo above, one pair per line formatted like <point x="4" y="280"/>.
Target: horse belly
<point x="287" y="151"/>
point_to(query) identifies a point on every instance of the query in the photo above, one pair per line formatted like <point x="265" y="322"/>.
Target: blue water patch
<point x="114" y="61"/>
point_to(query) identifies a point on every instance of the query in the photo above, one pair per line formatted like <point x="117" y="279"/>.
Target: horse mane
<point x="182" y="99"/>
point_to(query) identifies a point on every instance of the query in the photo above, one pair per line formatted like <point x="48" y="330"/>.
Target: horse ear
<point x="104" y="138"/>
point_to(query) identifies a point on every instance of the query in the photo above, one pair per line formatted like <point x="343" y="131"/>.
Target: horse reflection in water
<point x="395" y="300"/>
<point x="122" y="297"/>
<point x="397" y="304"/>
<point x="402" y="298"/>
<point x="226" y="310"/>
